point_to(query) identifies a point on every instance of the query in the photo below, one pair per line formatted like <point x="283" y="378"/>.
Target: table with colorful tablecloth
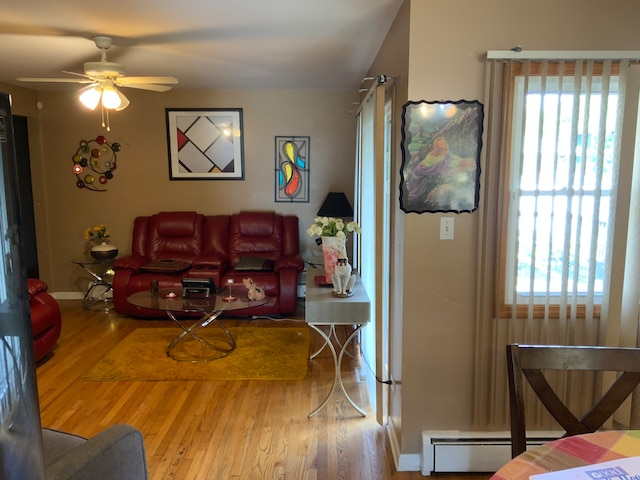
<point x="571" y="452"/>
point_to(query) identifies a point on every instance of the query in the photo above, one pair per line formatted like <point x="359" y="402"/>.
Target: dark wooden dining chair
<point x="530" y="362"/>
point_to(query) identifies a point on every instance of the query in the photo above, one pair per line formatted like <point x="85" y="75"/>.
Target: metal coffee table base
<point x="191" y="333"/>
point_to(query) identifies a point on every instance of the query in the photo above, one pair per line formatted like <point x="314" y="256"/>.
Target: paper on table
<point x="620" y="469"/>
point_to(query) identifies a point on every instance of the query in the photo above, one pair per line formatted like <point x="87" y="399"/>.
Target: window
<point x="563" y="129"/>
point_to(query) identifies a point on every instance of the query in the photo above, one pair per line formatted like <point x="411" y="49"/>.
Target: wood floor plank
<point x="245" y="429"/>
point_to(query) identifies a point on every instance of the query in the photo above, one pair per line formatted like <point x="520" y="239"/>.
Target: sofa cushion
<point x="256" y="224"/>
<point x="210" y="261"/>
<point x="255" y="263"/>
<point x="175" y="236"/>
<point x="215" y="240"/>
<point x="255" y="234"/>
<point x="176" y="224"/>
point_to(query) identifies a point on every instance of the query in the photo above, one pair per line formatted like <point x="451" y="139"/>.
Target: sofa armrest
<point x="131" y="262"/>
<point x="116" y="453"/>
<point x="288" y="289"/>
<point x="120" y="286"/>
<point x="289" y="261"/>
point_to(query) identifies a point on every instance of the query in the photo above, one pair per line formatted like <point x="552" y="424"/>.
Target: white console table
<point x="322" y="309"/>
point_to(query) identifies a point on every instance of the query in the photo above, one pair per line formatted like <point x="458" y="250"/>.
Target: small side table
<point x="99" y="269"/>
<point x="323" y="309"/>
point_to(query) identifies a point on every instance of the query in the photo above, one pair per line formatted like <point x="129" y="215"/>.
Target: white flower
<point x="332" y="227"/>
<point x="353" y="227"/>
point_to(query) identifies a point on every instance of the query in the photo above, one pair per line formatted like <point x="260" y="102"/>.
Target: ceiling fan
<point x="104" y="78"/>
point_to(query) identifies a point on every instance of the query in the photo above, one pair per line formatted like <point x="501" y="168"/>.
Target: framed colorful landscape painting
<point x="441" y="144"/>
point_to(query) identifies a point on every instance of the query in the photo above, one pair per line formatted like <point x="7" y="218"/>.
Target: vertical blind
<point x="555" y="179"/>
<point x="563" y="146"/>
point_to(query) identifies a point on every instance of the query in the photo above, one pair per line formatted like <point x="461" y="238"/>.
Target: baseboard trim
<point x="67" y="295"/>
<point x="404" y="462"/>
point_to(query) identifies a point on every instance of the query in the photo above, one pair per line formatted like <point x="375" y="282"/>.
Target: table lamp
<point x="336" y="205"/>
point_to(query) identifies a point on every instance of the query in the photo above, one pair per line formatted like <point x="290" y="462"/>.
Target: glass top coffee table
<point x="211" y="307"/>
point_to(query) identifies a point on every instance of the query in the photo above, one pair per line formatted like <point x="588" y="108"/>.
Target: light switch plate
<point x="446" y="228"/>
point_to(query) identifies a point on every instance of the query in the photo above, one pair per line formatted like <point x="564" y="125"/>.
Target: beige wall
<point x="141" y="184"/>
<point x="447" y="41"/>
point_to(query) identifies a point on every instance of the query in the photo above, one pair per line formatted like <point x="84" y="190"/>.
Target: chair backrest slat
<point x="531" y="361"/>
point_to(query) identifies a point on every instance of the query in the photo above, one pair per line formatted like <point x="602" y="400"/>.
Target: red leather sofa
<point x="46" y="320"/>
<point x="218" y="247"/>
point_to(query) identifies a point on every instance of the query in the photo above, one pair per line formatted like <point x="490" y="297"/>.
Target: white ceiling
<point x="316" y="44"/>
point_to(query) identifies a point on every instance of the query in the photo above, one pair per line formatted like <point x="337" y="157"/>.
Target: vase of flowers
<point x="333" y="232"/>
<point x="99" y="235"/>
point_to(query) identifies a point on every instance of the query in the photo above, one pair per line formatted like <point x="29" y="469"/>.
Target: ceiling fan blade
<point x="76" y="74"/>
<point x="145" y="86"/>
<point x="139" y="80"/>
<point x="57" y="80"/>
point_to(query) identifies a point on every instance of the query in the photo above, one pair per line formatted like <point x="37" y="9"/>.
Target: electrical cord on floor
<point x="378" y="379"/>
<point x="281" y="319"/>
<point x="276" y="319"/>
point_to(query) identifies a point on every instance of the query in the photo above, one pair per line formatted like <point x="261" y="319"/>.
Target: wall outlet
<point x="446" y="228"/>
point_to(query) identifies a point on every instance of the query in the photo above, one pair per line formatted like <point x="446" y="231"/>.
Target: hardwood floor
<point x="217" y="430"/>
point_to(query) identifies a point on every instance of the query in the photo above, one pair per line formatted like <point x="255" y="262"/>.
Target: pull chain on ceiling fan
<point x="104" y="79"/>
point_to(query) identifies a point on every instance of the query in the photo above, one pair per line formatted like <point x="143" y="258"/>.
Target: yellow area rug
<point x="261" y="353"/>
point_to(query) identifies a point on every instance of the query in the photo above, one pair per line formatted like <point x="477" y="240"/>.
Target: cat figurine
<point x="342" y="279"/>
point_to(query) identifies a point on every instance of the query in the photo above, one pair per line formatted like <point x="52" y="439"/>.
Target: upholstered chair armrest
<point x="213" y="260"/>
<point x="35" y="286"/>
<point x="116" y="453"/>
<point x="288" y="288"/>
<point x="289" y="261"/>
<point x="130" y="262"/>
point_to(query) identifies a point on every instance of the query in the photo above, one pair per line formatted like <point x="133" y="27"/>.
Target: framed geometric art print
<point x="205" y="144"/>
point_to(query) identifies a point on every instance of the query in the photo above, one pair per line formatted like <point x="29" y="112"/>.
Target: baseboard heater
<point x="479" y="452"/>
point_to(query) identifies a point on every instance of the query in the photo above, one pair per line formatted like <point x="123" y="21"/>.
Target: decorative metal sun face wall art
<point x="94" y="163"/>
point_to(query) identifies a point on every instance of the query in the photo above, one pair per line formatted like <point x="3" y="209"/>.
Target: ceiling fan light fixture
<point x="110" y="98"/>
<point x="124" y="101"/>
<point x="90" y="97"/>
